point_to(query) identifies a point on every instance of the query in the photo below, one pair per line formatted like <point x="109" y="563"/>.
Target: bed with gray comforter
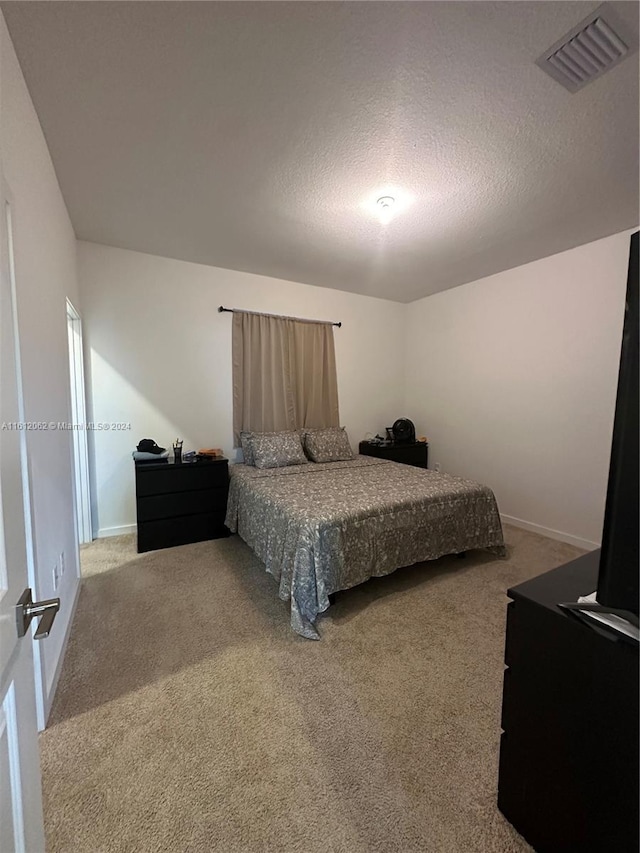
<point x="324" y="527"/>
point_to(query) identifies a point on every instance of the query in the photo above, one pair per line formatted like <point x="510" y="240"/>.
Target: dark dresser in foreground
<point x="569" y="749"/>
<point x="414" y="453"/>
<point x="179" y="503"/>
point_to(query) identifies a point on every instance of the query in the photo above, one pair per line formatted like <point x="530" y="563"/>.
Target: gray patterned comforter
<point x="324" y="527"/>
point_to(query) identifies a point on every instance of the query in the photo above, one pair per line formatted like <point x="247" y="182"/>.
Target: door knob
<point x="27" y="609"/>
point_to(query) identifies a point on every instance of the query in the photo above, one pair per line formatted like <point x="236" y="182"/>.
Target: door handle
<point x="27" y="609"/>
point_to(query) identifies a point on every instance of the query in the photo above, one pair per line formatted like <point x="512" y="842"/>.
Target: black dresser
<point x="569" y="749"/>
<point x="179" y="503"/>
<point x="415" y="453"/>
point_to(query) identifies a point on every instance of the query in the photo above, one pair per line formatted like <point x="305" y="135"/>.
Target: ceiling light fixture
<point x="385" y="205"/>
<point x="386" y="202"/>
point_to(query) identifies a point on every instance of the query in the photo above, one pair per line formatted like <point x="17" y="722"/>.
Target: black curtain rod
<point x="299" y="319"/>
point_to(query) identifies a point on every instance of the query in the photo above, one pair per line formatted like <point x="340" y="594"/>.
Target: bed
<point x="324" y="527"/>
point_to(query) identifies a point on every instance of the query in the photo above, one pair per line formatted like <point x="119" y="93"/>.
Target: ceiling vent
<point x="589" y="50"/>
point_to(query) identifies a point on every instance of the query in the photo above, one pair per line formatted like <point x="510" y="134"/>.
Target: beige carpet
<point x="189" y="717"/>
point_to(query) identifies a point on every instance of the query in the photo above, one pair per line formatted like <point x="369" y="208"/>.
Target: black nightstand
<point x="415" y="454"/>
<point x="569" y="749"/>
<point x="179" y="503"/>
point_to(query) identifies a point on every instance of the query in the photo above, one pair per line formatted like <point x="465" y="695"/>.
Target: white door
<point x="79" y="435"/>
<point x="21" y="826"/>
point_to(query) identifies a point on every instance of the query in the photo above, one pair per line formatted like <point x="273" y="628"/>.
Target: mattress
<point x="324" y="527"/>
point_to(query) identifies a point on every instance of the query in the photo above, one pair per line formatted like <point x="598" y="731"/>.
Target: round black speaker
<point x="404" y="431"/>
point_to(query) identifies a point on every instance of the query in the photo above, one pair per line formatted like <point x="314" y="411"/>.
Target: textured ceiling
<point x="247" y="135"/>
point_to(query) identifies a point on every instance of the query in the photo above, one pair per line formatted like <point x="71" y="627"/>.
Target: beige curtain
<point x="284" y="374"/>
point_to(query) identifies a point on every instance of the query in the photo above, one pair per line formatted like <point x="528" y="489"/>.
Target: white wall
<point x="160" y="358"/>
<point x="45" y="260"/>
<point x="513" y="379"/>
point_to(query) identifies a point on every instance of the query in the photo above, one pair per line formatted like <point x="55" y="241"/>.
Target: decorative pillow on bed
<point x="328" y="445"/>
<point x="247" y="447"/>
<point x="277" y="449"/>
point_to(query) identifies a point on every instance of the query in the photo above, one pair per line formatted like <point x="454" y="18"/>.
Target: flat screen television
<point x="619" y="559"/>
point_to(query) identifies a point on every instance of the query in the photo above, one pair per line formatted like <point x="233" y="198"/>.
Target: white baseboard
<point x="48" y="698"/>
<point x="586" y="544"/>
<point x="103" y="532"/>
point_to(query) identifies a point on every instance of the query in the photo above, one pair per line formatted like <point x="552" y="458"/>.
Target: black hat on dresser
<point x="148" y="445"/>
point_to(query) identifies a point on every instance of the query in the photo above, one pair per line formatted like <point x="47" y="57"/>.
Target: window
<point x="284" y="374"/>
